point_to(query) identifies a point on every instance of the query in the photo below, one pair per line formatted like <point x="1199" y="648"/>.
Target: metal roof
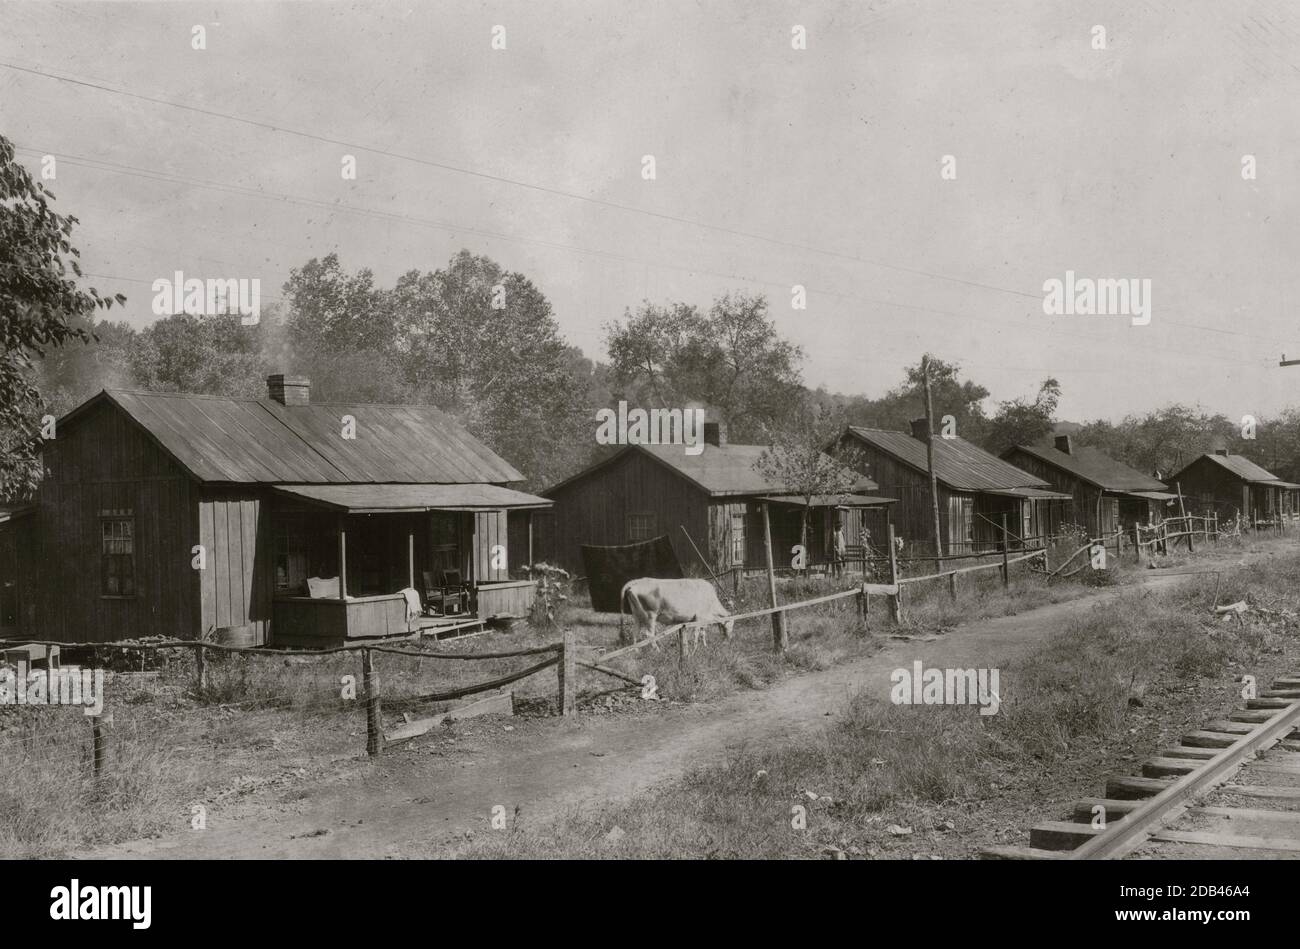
<point x="1239" y="465"/>
<point x="261" y="441"/>
<point x="720" y="470"/>
<point x="830" y="500"/>
<point x="957" y="463"/>
<point x="1153" y="495"/>
<point x="1094" y="466"/>
<point x="386" y="498"/>
<point x="1030" y="493"/>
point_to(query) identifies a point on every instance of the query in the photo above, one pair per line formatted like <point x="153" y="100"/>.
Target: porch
<point x="370" y="561"/>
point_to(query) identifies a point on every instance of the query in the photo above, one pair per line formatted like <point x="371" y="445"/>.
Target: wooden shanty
<point x="643" y="491"/>
<point x="1229" y="484"/>
<point x="1108" y="494"/>
<point x="975" y="490"/>
<point x="277" y="521"/>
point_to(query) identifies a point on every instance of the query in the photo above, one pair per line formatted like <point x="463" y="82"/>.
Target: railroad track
<point x="1228" y="790"/>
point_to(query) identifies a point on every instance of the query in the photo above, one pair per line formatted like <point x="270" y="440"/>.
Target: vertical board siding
<point x="236" y="586"/>
<point x="593" y="509"/>
<point x="105" y="462"/>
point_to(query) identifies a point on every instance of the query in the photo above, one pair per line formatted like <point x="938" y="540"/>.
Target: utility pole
<point x="929" y="447"/>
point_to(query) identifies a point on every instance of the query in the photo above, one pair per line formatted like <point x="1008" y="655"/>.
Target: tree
<point x="40" y="303"/>
<point x="1020" y="422"/>
<point x="962" y="399"/>
<point x="797" y="459"/>
<point x="731" y="359"/>
<point x="483" y="343"/>
<point x="209" y="355"/>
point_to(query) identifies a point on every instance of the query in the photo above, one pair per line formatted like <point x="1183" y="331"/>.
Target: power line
<point x="502" y="179"/>
<point x="152" y="174"/>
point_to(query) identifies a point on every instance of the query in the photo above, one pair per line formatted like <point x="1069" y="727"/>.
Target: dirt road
<point x="418" y="804"/>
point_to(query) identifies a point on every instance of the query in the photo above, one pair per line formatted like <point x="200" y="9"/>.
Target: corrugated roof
<point x="957" y="463"/>
<point x="1030" y="493"/>
<point x="1239" y="465"/>
<point x="721" y="471"/>
<point x="1094" y="466"/>
<point x="378" y="498"/>
<point x="1153" y="495"/>
<point x="261" y="441"/>
<point x="830" y="500"/>
<point x="729" y="469"/>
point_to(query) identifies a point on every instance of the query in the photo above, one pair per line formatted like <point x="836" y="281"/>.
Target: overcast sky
<point x="774" y="167"/>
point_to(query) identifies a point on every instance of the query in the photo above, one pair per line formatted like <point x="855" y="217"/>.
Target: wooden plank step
<point x="1129" y="787"/>
<point x="1208" y="739"/>
<point x="1196" y="754"/>
<point x="1020" y="853"/>
<point x="1276" y="792"/>
<point x="1248" y="813"/>
<point x="1235" y="841"/>
<point x="1287" y="682"/>
<point x="1115" y="808"/>
<point x="1229" y="728"/>
<point x="1292" y="694"/>
<point x="1256" y="716"/>
<point x="1262" y="703"/>
<point x="1286" y="745"/>
<point x="1061" y="835"/>
<point x="1164" y="767"/>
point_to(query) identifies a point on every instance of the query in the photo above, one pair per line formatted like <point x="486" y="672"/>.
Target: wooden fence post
<point x="681" y="648"/>
<point x="1137" y="542"/>
<point x="201" y="670"/>
<point x="99" y="728"/>
<point x="1216" y="527"/>
<point x="374" y="723"/>
<point x="863" y="602"/>
<point x="1006" y="544"/>
<point x="567" y="672"/>
<point x="779" y="638"/>
<point x="895" y="601"/>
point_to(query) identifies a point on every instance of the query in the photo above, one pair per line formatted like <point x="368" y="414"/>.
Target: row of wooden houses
<point x="284" y="521"/>
<point x="717" y="498"/>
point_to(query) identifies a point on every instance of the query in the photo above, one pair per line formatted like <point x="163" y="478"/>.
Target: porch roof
<point x="1151" y="495"/>
<point x="830" y="500"/>
<point x="395" y="498"/>
<point x="1033" y="494"/>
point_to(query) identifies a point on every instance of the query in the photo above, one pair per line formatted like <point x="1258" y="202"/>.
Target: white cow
<point x="672" y="601"/>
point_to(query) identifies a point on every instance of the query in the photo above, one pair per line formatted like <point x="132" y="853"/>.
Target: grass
<point x="266" y="720"/>
<point x="884" y="774"/>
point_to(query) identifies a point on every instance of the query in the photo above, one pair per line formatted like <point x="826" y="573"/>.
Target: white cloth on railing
<point x="413" y="607"/>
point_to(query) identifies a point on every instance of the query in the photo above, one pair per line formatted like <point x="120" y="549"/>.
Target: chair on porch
<point x="445" y="598"/>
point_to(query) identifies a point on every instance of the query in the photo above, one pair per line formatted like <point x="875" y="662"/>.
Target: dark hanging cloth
<point x="608" y="568"/>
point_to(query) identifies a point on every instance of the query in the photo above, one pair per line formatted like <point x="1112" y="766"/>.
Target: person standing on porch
<point x="840" y="547"/>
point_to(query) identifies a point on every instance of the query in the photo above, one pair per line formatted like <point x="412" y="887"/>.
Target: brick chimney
<point x="1221" y="451"/>
<point x="1064" y="444"/>
<point x="288" y="390"/>
<point x="921" y="429"/>
<point x="715" y="434"/>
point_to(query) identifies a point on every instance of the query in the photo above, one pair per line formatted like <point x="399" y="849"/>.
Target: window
<point x="290" y="560"/>
<point x="738" y="540"/>
<point x="117" y="553"/>
<point x="640" y="527"/>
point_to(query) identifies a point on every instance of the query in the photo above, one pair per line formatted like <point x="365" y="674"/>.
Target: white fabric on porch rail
<point x="389" y="498"/>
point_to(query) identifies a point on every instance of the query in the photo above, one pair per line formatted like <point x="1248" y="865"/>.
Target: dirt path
<point x="417" y="805"/>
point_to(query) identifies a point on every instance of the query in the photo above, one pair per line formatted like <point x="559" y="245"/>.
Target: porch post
<point x="410" y="559"/>
<point x="343" y="560"/>
<point x="530" y="537"/>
